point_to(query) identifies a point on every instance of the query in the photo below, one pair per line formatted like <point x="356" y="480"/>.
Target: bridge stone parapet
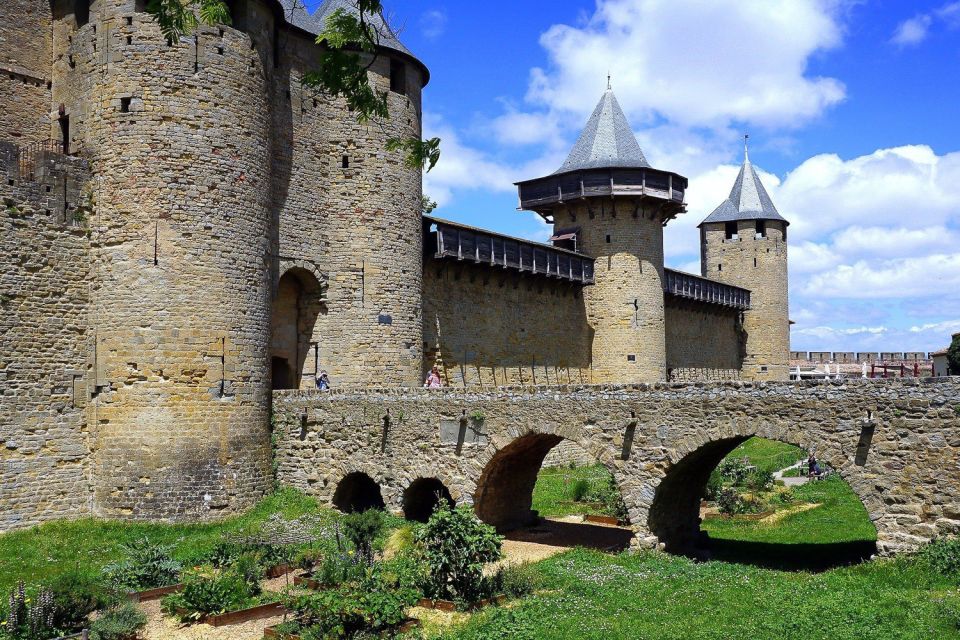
<point x="896" y="442"/>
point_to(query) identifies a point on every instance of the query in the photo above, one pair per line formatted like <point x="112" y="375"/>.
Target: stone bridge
<point x="896" y="442"/>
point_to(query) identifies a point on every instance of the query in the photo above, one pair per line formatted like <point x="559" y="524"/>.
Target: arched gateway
<point x="896" y="442"/>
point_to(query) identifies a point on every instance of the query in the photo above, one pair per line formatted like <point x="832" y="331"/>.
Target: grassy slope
<point x="655" y="596"/>
<point x="37" y="554"/>
<point x="551" y="495"/>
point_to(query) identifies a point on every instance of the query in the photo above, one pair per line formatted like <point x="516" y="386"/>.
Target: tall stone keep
<point x="744" y="243"/>
<point x="606" y="201"/>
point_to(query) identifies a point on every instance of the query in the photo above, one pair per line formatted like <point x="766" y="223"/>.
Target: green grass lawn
<point x="40" y="553"/>
<point x="551" y="495"/>
<point x="768" y="455"/>
<point x="653" y="596"/>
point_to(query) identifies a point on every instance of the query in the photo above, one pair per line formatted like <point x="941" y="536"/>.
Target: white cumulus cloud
<point x="913" y="31"/>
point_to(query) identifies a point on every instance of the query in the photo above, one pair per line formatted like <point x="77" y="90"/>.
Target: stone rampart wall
<point x="897" y="442"/>
<point x="500" y="328"/>
<point x="44" y="342"/>
<point x="26" y="30"/>
<point x="704" y="342"/>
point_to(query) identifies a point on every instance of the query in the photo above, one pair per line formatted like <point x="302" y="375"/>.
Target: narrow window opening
<point x="129" y="39"/>
<point x="719" y="267"/>
<point x="65" y="134"/>
<point x="398" y="77"/>
<point x="608" y="238"/>
<point x="81" y="13"/>
<point x="761" y="228"/>
<point x="730" y="230"/>
<point x="130" y="18"/>
<point x="125" y="105"/>
<point x="345" y="162"/>
<point x="220" y="50"/>
<point x="631" y="358"/>
<point x="754" y="262"/>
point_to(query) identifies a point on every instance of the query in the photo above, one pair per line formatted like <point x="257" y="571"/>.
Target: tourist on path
<point x="433" y="380"/>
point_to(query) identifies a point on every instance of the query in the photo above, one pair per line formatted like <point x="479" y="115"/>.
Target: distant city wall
<point x="850" y="357"/>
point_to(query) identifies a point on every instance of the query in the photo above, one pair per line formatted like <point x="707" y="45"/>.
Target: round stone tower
<point x="744" y="243"/>
<point x="612" y="205"/>
<point x="178" y="137"/>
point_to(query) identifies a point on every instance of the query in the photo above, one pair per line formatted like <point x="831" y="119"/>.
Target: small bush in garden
<point x="76" y="596"/>
<point x="361" y="529"/>
<point x="714" y="485"/>
<point x="729" y="501"/>
<point x="456" y="545"/>
<point x="208" y="595"/>
<point x="758" y="480"/>
<point x="786" y="496"/>
<point x="119" y="623"/>
<point x="29" y="618"/>
<point x="579" y="490"/>
<point x="404" y="571"/>
<point x="516" y="580"/>
<point x="349" y="611"/>
<point x="336" y="568"/>
<point x="733" y="469"/>
<point x="146" y="566"/>
<point x="248" y="568"/>
<point x="943" y="555"/>
<point x="608" y="495"/>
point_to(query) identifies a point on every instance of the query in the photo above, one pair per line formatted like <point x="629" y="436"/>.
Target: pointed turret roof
<point x="607" y="140"/>
<point x="748" y="199"/>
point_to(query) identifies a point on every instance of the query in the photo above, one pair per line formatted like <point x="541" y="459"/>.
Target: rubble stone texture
<point x="896" y="442"/>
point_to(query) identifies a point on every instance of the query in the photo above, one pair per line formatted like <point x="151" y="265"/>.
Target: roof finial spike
<point x="746" y="147"/>
<point x="609" y="84"/>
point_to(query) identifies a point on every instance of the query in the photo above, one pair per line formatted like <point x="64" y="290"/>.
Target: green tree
<point x="349" y="46"/>
<point x="953" y="356"/>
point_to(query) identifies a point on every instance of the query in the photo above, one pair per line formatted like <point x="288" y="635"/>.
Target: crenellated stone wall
<point x="896" y="442"/>
<point x="704" y="342"/>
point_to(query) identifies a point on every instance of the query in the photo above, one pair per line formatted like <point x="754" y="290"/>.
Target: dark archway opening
<point x="422" y="497"/>
<point x="296" y="307"/>
<point x="505" y="494"/>
<point x="358" y="492"/>
<point x="717" y="503"/>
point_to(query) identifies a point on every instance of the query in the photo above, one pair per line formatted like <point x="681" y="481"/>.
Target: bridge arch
<point x="422" y="496"/>
<point x="358" y="492"/>
<point x="504" y="489"/>
<point x="673" y="517"/>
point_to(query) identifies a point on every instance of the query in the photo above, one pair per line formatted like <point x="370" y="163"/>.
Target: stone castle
<point x="186" y="228"/>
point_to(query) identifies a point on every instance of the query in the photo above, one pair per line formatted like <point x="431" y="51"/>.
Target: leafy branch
<point x="177" y="18"/>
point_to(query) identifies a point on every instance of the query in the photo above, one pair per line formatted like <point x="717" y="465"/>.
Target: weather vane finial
<point x="609" y="85"/>
<point x="746" y="147"/>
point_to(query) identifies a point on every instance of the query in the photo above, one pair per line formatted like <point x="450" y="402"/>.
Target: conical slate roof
<point x="607" y="141"/>
<point x="748" y="199"/>
<point x="297" y="14"/>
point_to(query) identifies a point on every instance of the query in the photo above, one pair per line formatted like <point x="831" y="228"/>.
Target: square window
<point x="125" y="105"/>
<point x="631" y="358"/>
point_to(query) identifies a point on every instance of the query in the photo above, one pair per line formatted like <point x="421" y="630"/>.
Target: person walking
<point x="323" y="381"/>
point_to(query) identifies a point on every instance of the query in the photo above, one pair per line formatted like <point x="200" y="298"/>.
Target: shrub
<point x="758" y="480"/>
<point x="786" y="496"/>
<point x="608" y="495"/>
<point x="456" y="546"/>
<point x="249" y="569"/>
<point x="733" y="469"/>
<point x="731" y="502"/>
<point x="336" y="568"/>
<point x="76" y="596"/>
<point x="228" y="550"/>
<point x="714" y="485"/>
<point x="147" y="566"/>
<point x="579" y="490"/>
<point x="516" y="580"/>
<point x="943" y="556"/>
<point x="361" y="529"/>
<point x="349" y="611"/>
<point x="120" y="623"/>
<point x="29" y="618"/>
<point x="208" y="595"/>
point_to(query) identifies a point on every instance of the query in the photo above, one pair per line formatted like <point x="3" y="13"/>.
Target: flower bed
<point x="276" y="632"/>
<point x="450" y="605"/>
<point x="259" y="612"/>
<point x="153" y="594"/>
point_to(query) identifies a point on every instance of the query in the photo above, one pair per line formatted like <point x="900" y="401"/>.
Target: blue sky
<point x="852" y="108"/>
